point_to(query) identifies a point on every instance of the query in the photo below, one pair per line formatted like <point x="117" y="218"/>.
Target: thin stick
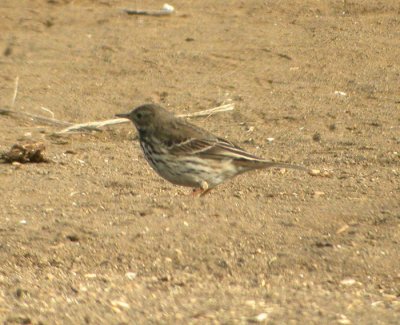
<point x="15" y="91"/>
<point x="47" y="110"/>
<point x="166" y="10"/>
<point x="37" y="118"/>
<point x="211" y="111"/>
<point x="95" y="126"/>
<point x="92" y="126"/>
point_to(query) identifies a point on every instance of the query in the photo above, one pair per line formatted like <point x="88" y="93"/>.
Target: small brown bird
<point x="187" y="155"/>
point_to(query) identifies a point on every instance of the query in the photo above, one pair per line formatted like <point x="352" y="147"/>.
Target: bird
<point x="187" y="155"/>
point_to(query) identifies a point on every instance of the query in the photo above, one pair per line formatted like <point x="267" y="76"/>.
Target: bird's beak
<point x="123" y="115"/>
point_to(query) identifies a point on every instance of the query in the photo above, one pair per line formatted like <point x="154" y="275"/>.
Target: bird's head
<point x="146" y="117"/>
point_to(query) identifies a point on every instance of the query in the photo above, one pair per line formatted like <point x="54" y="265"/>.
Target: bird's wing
<point x="211" y="148"/>
<point x="221" y="149"/>
<point x="184" y="139"/>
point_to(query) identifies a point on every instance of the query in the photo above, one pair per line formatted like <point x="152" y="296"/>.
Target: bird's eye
<point x="139" y="115"/>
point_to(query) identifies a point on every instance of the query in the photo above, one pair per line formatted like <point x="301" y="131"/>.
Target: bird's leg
<point x="199" y="192"/>
<point x="205" y="192"/>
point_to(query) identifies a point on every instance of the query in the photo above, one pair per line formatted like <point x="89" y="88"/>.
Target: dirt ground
<point x="96" y="237"/>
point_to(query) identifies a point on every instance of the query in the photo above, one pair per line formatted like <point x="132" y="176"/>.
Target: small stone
<point x="259" y="318"/>
<point x="318" y="194"/>
<point x="332" y="127"/>
<point x="118" y="303"/>
<point x="314" y="172"/>
<point x="251" y="303"/>
<point x="348" y="282"/>
<point x="326" y="174"/>
<point x="50" y="277"/>
<point x="344" y="320"/>
<point x="19" y="293"/>
<point x="16" y="164"/>
<point x="73" y="238"/>
<point x="165" y="278"/>
<point x="130" y="275"/>
<point x="317" y="137"/>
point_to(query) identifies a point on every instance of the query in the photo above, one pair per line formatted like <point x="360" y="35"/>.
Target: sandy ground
<point x="96" y="237"/>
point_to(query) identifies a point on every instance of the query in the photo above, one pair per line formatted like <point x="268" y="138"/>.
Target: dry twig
<point x="97" y="125"/>
<point x="165" y="11"/>
<point x="15" y="91"/>
<point x="33" y="117"/>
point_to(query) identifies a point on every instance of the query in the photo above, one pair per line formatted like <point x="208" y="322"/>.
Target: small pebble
<point x="317" y="137"/>
<point x="340" y="93"/>
<point x="348" y="282"/>
<point x="73" y="238"/>
<point x="259" y="318"/>
<point x="318" y="193"/>
<point x="314" y="172"/>
<point x="123" y="304"/>
<point x="130" y="275"/>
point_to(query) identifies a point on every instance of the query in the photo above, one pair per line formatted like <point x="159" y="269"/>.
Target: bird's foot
<point x="200" y="192"/>
<point x="203" y="190"/>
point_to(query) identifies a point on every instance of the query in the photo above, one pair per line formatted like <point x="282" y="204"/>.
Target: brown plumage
<point x="187" y="155"/>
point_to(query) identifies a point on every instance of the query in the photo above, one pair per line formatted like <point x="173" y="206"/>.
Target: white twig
<point x="95" y="126"/>
<point x="47" y="110"/>
<point x="92" y="126"/>
<point x="15" y="91"/>
<point x="211" y="111"/>
<point x="166" y="10"/>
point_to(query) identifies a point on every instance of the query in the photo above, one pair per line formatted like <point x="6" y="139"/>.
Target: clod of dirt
<point x="25" y="153"/>
<point x="73" y="238"/>
<point x="260" y="318"/>
<point x="332" y="127"/>
<point x="8" y="51"/>
<point x="316" y="137"/>
<point x="321" y="244"/>
<point x="19" y="293"/>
